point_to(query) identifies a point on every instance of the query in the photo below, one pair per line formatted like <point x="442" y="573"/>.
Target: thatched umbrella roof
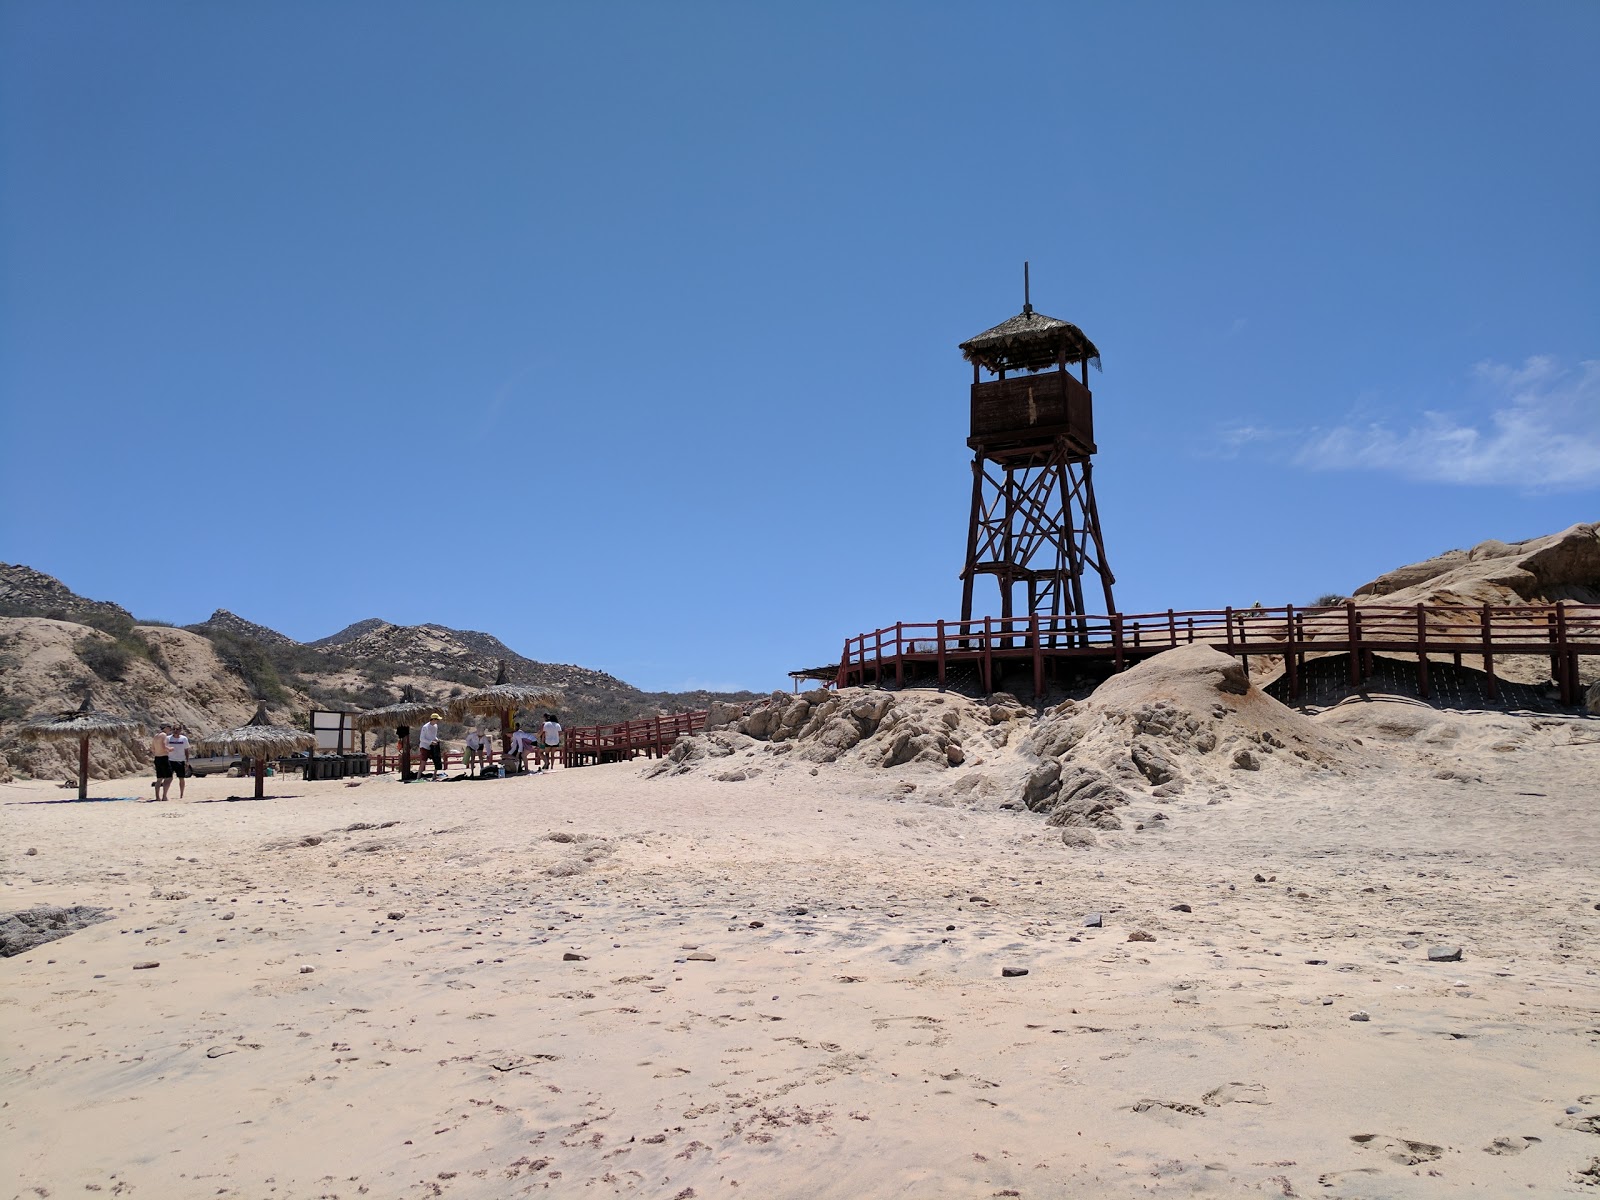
<point x="1029" y="341"/>
<point x="404" y="713"/>
<point x="258" y="738"/>
<point x="79" y="725"/>
<point x="503" y="698"/>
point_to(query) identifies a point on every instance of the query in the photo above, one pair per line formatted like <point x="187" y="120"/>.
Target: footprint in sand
<point x="1398" y="1149"/>
<point x="1236" y="1093"/>
<point x="1509" y="1145"/>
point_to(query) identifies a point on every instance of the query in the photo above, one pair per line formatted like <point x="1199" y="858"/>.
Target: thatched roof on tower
<point x="84" y="721"/>
<point x="258" y="738"/>
<point x="1029" y="341"/>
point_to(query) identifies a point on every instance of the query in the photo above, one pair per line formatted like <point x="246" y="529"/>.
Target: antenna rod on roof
<point x="1027" y="303"/>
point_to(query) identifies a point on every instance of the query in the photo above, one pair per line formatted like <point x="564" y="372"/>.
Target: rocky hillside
<point x="25" y="592"/>
<point x="54" y="644"/>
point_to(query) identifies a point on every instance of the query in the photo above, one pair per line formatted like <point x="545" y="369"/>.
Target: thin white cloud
<point x="1541" y="432"/>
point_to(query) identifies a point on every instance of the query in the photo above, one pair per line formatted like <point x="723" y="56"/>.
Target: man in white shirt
<point x="178" y="756"/>
<point x="552" y="740"/>
<point x="428" y="743"/>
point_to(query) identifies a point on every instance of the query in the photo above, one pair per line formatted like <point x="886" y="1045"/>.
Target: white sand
<point x="864" y="1047"/>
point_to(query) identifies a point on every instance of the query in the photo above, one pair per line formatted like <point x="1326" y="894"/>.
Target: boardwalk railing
<point x="650" y="736"/>
<point x="1562" y="632"/>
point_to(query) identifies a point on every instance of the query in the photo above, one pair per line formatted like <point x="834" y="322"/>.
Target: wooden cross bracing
<point x="1034" y="521"/>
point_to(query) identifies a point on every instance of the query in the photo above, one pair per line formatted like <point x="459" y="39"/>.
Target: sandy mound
<point x="855" y="726"/>
<point x="1560" y="566"/>
<point x="1188" y="716"/>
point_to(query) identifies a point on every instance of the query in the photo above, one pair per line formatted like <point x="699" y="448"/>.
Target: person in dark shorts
<point x="158" y="751"/>
<point x="178" y="756"/>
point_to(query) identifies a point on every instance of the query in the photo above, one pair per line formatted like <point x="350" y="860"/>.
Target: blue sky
<point x="628" y="332"/>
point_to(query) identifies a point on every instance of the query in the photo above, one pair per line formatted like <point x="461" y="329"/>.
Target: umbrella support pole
<point x="505" y="736"/>
<point x="403" y="732"/>
<point x="261" y="776"/>
<point x="83" y="767"/>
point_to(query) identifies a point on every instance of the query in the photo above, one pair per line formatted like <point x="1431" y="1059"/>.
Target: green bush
<point x="108" y="660"/>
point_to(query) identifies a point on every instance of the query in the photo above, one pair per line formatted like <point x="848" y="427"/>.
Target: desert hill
<point x="55" y="643"/>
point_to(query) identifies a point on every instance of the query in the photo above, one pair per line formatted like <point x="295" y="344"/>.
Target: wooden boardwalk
<point x="1058" y="647"/>
<point x="649" y="736"/>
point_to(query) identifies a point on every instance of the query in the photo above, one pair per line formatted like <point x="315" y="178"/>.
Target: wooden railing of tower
<point x="1562" y="632"/>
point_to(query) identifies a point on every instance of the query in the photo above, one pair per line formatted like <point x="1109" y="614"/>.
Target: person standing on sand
<point x="178" y="757"/>
<point x="158" y="751"/>
<point x="428" y="743"/>
<point x="552" y="741"/>
<point x="470" y="755"/>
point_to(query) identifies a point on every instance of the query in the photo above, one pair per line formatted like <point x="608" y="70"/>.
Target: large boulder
<point x="1559" y="566"/>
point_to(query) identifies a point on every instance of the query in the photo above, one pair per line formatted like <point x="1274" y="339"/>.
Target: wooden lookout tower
<point x="1034" y="519"/>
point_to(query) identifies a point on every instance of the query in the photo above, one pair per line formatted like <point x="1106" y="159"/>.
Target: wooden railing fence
<point x="1562" y="632"/>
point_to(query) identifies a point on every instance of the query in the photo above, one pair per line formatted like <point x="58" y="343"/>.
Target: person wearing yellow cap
<point x="428" y="743"/>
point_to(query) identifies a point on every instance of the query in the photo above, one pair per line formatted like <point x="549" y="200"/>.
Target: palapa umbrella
<point x="259" y="740"/>
<point x="83" y="723"/>
<point x="398" y="717"/>
<point x="505" y="699"/>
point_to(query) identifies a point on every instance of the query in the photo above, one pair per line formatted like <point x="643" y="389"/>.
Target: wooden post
<point x="1487" y="620"/>
<point x="1116" y="638"/>
<point x="83" y="767"/>
<point x="842" y="678"/>
<point x="1290" y="666"/>
<point x="1172" y="628"/>
<point x="261" y="775"/>
<point x="1353" y="635"/>
<point x="941" y="654"/>
<point x="877" y="662"/>
<point x="988" y="657"/>
<point x="1566" y="677"/>
<point x="1038" y="656"/>
<point x="899" y="654"/>
<point x="1422" y="652"/>
<point x="402" y="734"/>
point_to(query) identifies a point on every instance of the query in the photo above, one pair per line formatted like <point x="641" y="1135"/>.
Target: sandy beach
<point x="596" y="983"/>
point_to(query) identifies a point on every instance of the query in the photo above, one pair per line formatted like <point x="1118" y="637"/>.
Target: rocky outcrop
<point x="875" y="729"/>
<point x="22" y="931"/>
<point x="1560" y="566"/>
<point x="1187" y="714"/>
<point x="223" y="621"/>
<point x="25" y="592"/>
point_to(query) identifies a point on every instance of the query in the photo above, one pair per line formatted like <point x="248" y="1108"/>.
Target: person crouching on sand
<point x="521" y="743"/>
